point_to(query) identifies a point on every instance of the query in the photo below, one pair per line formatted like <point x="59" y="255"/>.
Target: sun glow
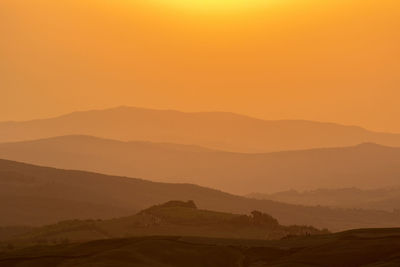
<point x="215" y="5"/>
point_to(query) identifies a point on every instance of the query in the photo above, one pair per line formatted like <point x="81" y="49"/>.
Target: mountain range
<point x="364" y="166"/>
<point x="216" y="130"/>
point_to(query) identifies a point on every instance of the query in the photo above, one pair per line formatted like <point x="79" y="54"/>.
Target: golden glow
<point x="215" y="5"/>
<point x="276" y="59"/>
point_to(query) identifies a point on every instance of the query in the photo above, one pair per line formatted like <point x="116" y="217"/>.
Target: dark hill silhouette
<point x="364" y="247"/>
<point x="170" y="219"/>
<point x="365" y="166"/>
<point x="217" y="130"/>
<point x="40" y="195"/>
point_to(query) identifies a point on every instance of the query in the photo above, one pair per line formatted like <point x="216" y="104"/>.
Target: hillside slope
<point x="218" y="130"/>
<point x="39" y="195"/>
<point x="364" y="166"/>
<point x="174" y="218"/>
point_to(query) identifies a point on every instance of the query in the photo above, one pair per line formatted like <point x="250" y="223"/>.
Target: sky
<point x="335" y="61"/>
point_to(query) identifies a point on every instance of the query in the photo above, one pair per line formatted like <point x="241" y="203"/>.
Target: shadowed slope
<point x="363" y="166"/>
<point x="365" y="247"/>
<point x="218" y="130"/>
<point x="39" y="195"/>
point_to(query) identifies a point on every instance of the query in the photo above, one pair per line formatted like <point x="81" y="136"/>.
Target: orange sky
<point x="333" y="60"/>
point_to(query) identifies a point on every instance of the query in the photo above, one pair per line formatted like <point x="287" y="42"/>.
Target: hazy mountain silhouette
<point x="218" y="130"/>
<point x="363" y="247"/>
<point x="174" y="218"/>
<point x="39" y="195"/>
<point x="382" y="199"/>
<point x="364" y="166"/>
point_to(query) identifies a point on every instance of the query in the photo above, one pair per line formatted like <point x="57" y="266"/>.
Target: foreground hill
<point x="380" y="199"/>
<point x="217" y="130"/>
<point x="365" y="166"/>
<point x="38" y="195"/>
<point x="170" y="219"/>
<point x="369" y="247"/>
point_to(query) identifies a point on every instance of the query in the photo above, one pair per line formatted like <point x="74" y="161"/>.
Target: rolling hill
<point x="365" y="166"/>
<point x="32" y="195"/>
<point x="216" y="130"/>
<point x="169" y="219"/>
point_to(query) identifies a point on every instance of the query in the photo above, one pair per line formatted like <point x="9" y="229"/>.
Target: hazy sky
<point x="291" y="59"/>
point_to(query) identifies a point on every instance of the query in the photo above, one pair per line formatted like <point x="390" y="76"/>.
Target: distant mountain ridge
<point x="216" y="130"/>
<point x="39" y="195"/>
<point x="365" y="166"/>
<point x="381" y="198"/>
